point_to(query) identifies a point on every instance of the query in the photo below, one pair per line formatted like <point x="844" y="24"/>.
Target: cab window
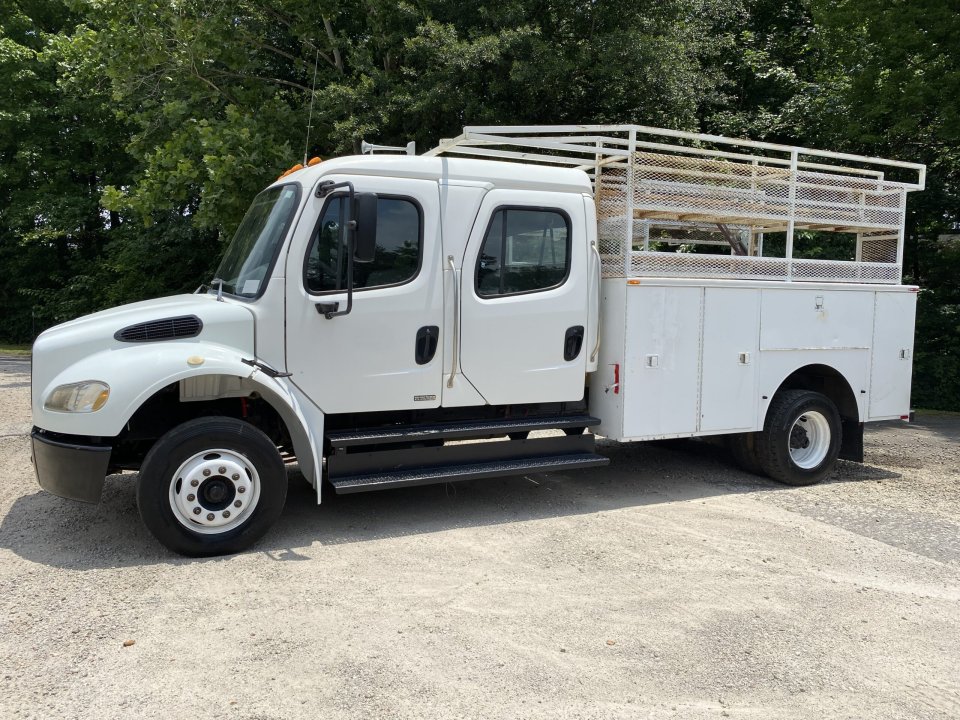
<point x="524" y="250"/>
<point x="397" y="258"/>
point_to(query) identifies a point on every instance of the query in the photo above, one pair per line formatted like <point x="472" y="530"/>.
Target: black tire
<point x="798" y="420"/>
<point x="191" y="449"/>
<point x="573" y="431"/>
<point x="743" y="448"/>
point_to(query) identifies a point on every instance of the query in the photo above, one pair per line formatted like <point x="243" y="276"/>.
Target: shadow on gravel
<point x="944" y="425"/>
<point x="60" y="533"/>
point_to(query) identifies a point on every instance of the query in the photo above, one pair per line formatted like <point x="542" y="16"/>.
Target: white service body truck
<point x="374" y="311"/>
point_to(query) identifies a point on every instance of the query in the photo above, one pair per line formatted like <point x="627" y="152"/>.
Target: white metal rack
<point x="714" y="190"/>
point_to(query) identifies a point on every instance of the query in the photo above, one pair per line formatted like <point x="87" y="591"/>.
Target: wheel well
<point x="165" y="410"/>
<point x="827" y="381"/>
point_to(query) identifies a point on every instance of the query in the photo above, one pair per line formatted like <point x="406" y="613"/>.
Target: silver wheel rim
<point x="214" y="491"/>
<point x="809" y="440"/>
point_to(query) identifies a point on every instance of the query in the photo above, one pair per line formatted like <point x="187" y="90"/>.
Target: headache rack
<point x="682" y="204"/>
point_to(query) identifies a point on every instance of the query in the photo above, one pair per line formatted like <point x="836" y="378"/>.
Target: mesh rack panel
<point x="711" y="191"/>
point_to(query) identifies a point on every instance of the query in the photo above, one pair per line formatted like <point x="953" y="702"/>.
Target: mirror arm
<point x="331" y="310"/>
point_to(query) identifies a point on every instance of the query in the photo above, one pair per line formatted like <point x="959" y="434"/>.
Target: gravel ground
<point x="667" y="585"/>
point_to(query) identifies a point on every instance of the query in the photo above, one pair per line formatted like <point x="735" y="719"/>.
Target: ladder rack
<point x="657" y="188"/>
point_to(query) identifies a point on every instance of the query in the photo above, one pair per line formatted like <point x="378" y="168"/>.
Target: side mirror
<point x="365" y="219"/>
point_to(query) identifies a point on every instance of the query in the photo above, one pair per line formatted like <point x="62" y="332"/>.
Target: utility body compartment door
<point x="661" y="363"/>
<point x="384" y="354"/>
<point x="731" y="330"/>
<point x="892" y="365"/>
<point x="524" y="284"/>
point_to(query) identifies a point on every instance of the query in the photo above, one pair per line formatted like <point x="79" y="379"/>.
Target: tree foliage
<point x="132" y="135"/>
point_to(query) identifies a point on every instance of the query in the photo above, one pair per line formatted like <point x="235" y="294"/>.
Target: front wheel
<point x="211" y="486"/>
<point x="800" y="441"/>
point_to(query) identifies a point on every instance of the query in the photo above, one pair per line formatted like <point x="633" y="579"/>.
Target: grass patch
<point x="15" y="350"/>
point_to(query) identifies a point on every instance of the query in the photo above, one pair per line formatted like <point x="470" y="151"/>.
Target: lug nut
<point x="206" y="472"/>
<point x="221" y="470"/>
<point x="226" y="513"/>
<point x="209" y="516"/>
<point x="235" y="476"/>
<point x="191" y="497"/>
<point x="241" y="489"/>
<point x="237" y="503"/>
<point x="196" y="511"/>
<point x="194" y="483"/>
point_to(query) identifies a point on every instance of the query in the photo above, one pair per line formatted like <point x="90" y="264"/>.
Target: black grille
<point x="185" y="326"/>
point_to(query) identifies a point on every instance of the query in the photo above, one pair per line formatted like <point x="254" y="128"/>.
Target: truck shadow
<point x="48" y="530"/>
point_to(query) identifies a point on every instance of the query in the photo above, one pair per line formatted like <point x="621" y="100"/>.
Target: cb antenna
<point x="313" y="93"/>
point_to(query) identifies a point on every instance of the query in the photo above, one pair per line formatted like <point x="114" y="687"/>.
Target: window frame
<point x="534" y="208"/>
<point x="315" y="233"/>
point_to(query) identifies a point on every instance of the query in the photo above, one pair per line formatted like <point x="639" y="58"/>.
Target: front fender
<point x="136" y="373"/>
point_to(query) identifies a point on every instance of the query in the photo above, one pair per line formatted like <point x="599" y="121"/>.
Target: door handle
<point x="572" y="342"/>
<point x="426" y="345"/>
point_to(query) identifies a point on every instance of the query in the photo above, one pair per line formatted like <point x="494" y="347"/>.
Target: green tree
<point x="219" y="92"/>
<point x="892" y="73"/>
<point x="57" y="150"/>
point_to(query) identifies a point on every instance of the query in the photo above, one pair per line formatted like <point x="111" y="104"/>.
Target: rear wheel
<point x="800" y="441"/>
<point x="211" y="486"/>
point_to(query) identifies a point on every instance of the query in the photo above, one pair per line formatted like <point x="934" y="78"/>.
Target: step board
<point x="453" y="473"/>
<point x="390" y="458"/>
<point x="456" y="430"/>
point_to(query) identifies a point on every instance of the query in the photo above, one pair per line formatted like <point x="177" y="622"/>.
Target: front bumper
<point x="69" y="469"/>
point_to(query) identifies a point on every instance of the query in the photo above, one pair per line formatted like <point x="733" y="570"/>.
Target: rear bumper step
<point x="452" y="473"/>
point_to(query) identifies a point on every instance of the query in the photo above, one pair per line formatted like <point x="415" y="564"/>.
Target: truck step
<point x="453" y="473"/>
<point x="388" y="459"/>
<point x="456" y="430"/>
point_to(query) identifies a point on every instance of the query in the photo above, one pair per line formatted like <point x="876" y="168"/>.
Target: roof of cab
<point x="518" y="176"/>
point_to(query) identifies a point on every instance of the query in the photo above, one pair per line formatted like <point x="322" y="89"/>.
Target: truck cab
<point x="478" y="307"/>
<point x="373" y="312"/>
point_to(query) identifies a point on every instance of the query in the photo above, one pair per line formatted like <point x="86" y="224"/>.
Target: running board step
<point x="499" y="468"/>
<point x="457" y="430"/>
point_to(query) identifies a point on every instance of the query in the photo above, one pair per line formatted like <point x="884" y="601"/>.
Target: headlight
<point x="81" y="397"/>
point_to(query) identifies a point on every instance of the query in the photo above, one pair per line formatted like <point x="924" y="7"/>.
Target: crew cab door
<point x="524" y="298"/>
<point x="383" y="354"/>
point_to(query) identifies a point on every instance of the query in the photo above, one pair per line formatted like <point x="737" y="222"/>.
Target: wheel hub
<point x="798" y="436"/>
<point x="214" y="491"/>
<point x="810" y="440"/>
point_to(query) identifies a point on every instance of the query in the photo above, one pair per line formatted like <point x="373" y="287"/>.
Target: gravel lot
<point x="668" y="585"/>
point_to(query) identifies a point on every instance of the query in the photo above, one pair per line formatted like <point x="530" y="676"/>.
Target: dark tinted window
<point x="524" y="250"/>
<point x="398" y="247"/>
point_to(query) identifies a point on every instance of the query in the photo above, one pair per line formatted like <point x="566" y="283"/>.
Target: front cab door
<point x="524" y="287"/>
<point x="383" y="354"/>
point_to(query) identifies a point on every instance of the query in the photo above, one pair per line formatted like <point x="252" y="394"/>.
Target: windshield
<point x="250" y="254"/>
